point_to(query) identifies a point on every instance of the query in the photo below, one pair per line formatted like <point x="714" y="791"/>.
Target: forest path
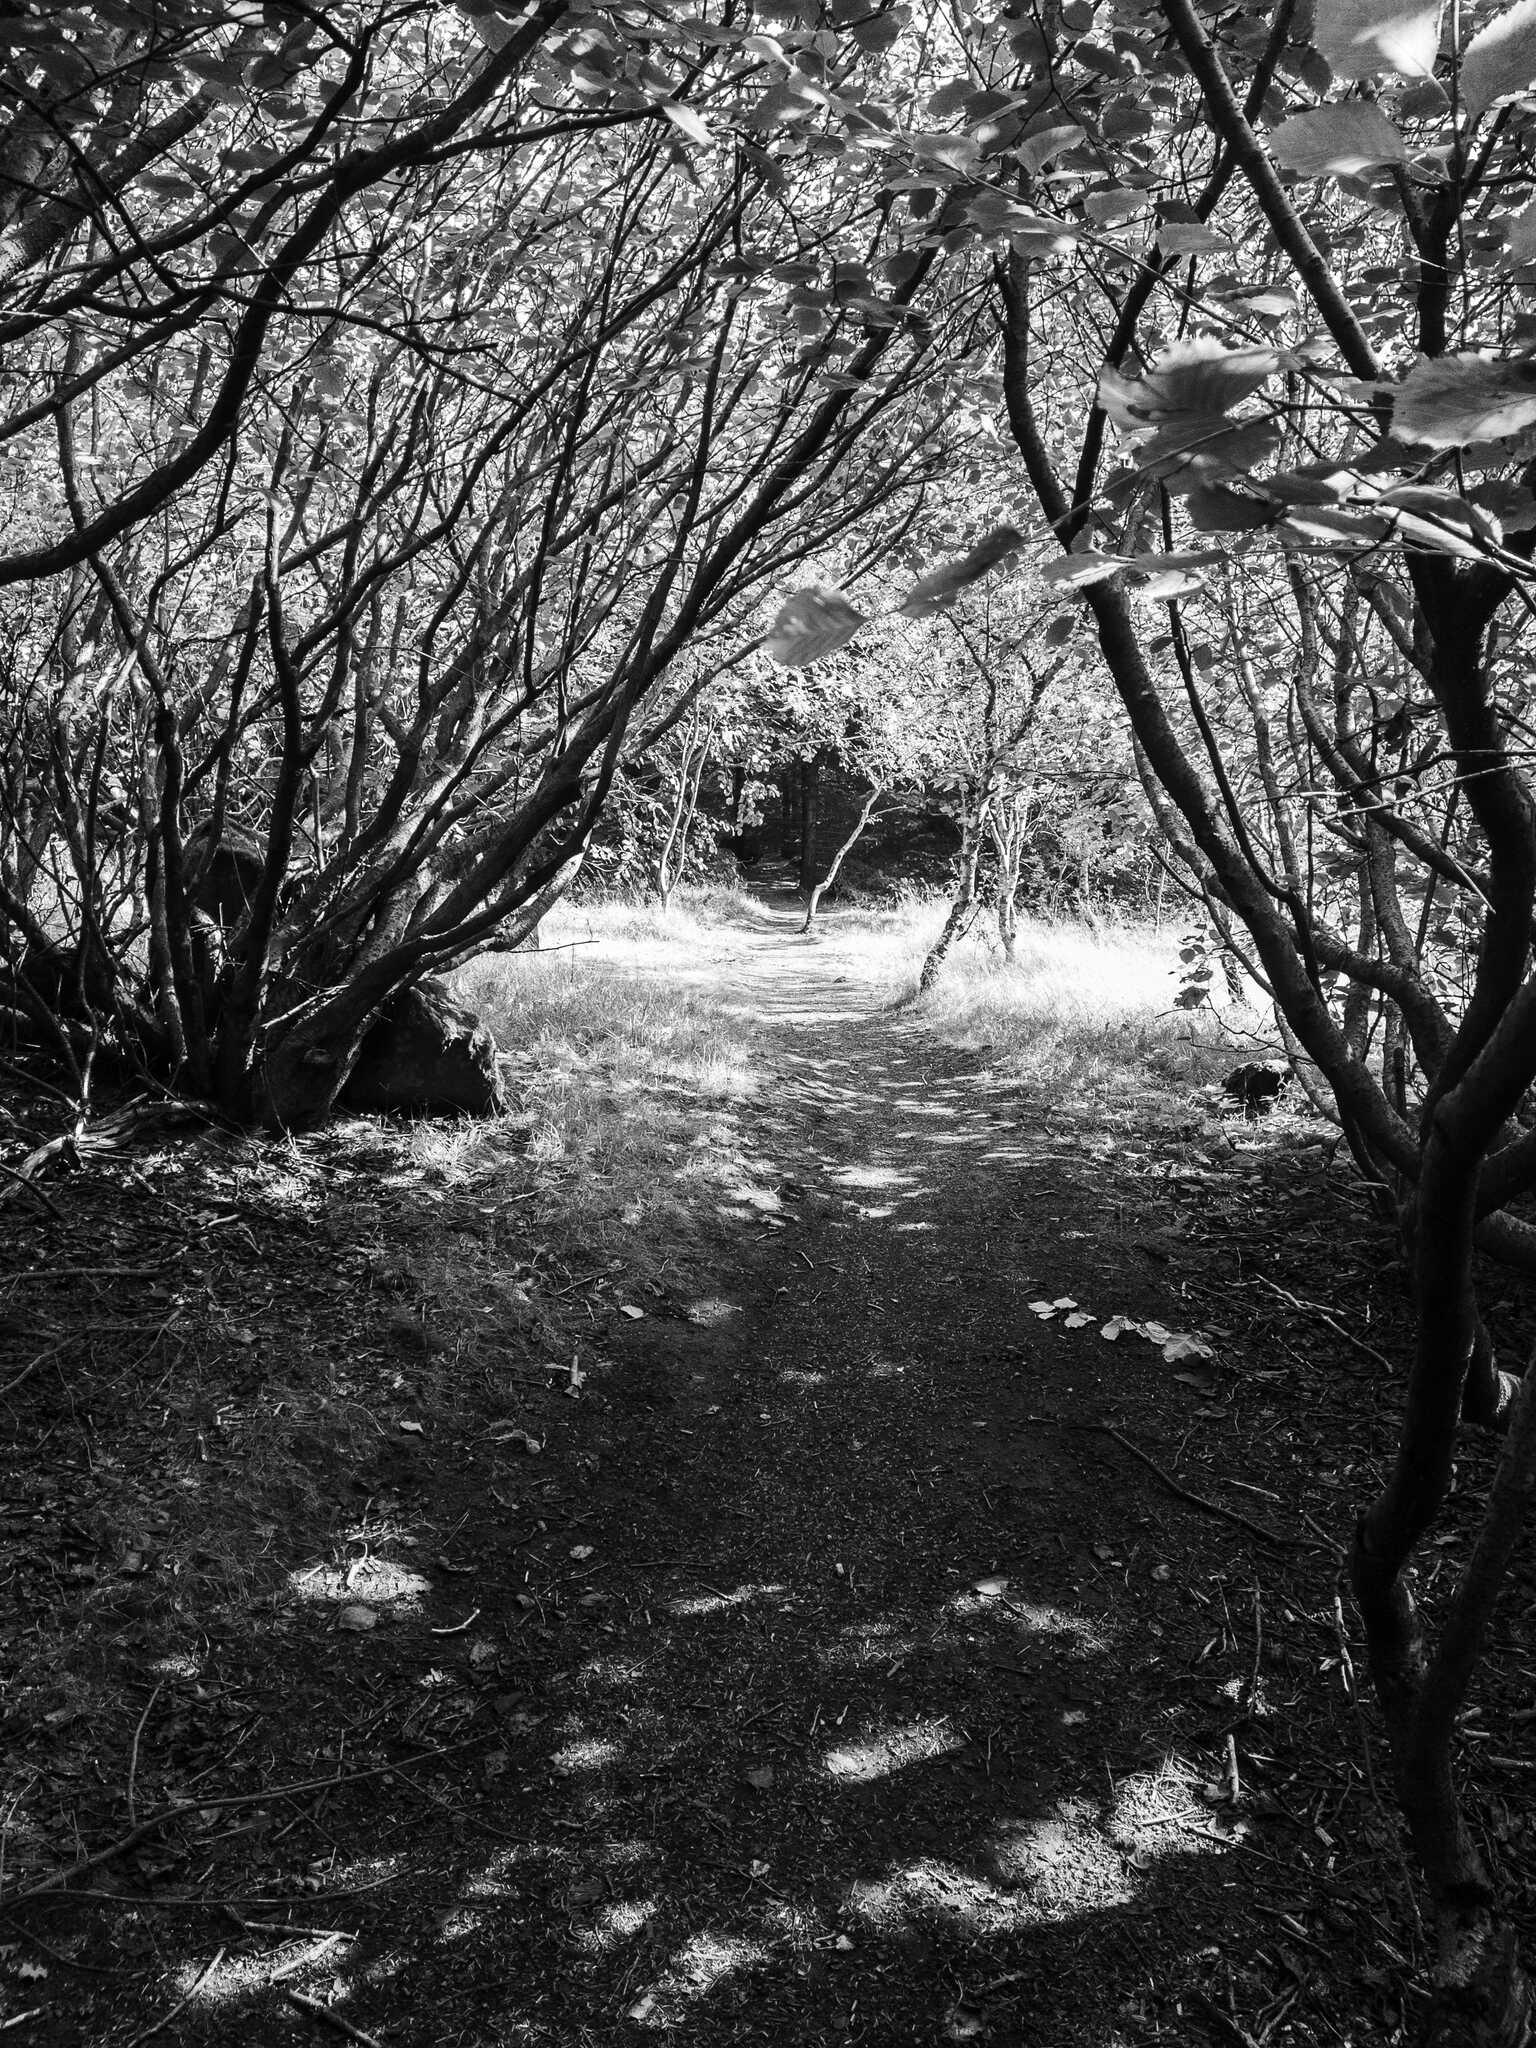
<point x="882" y="1729"/>
<point x="831" y="1670"/>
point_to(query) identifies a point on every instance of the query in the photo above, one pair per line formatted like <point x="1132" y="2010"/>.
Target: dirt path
<point x="833" y="1670"/>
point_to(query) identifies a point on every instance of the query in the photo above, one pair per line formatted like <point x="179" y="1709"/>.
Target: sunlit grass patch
<point x="625" y="1083"/>
<point x="1087" y="1007"/>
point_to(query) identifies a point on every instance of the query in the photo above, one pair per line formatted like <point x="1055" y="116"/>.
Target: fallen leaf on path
<point x="627" y="1308"/>
<point x="1183" y="1346"/>
<point x="1116" y="1327"/>
<point x="990" y="1589"/>
<point x="1079" y="1320"/>
<point x="1043" y="1309"/>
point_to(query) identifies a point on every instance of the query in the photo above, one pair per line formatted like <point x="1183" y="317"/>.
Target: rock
<point x="429" y="1054"/>
<point x="222" y="877"/>
<point x="357" y="1620"/>
<point x="1255" y="1086"/>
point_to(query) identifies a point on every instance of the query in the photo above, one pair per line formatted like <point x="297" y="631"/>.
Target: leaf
<point x="627" y="1308"/>
<point x="688" y="122"/>
<point x="991" y="1589"/>
<point x="1202" y="379"/>
<point x="1079" y="1320"/>
<point x="1520" y="234"/>
<point x="1116" y="1327"/>
<point x="812" y="624"/>
<point x="1338" y="141"/>
<point x="1054" y="140"/>
<point x="1190" y="238"/>
<point x="1454" y="401"/>
<point x="1068" y="572"/>
<point x="1043" y="1309"/>
<point x="1182" y="1346"/>
<point x="1500" y="59"/>
<point x="1212" y="508"/>
<point x="935" y="590"/>
<point x="1363" y="38"/>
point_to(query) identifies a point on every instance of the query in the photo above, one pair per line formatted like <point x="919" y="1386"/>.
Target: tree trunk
<point x="963" y="908"/>
<point x="842" y="853"/>
<point x="810" y="818"/>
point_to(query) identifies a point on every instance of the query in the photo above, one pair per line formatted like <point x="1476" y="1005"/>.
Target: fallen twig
<point x="318" y="2011"/>
<point x="26" y="1181"/>
<point x="133" y="1758"/>
<point x="159" y="2026"/>
<point x="1316" y="1308"/>
<point x="27" y="1370"/>
<point x="60" y="1878"/>
<point x="1198" y="1500"/>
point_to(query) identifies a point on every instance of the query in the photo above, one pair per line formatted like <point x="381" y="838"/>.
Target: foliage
<point x="516" y="429"/>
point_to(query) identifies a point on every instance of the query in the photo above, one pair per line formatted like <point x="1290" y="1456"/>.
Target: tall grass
<point x="1086" y="1009"/>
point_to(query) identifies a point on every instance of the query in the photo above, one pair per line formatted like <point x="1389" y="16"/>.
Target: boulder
<point x="1255" y="1086"/>
<point x="429" y="1054"/>
<point x="222" y="875"/>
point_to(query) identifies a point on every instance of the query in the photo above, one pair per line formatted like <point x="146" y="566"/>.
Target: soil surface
<point x="790" y="1634"/>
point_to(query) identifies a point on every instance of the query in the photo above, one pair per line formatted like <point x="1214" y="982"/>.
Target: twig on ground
<point x="27" y="1370"/>
<point x="159" y="2026"/>
<point x="318" y="2011"/>
<point x="133" y="1755"/>
<point x="1316" y="1308"/>
<point x="283" y="1930"/>
<point x="26" y="1181"/>
<point x="458" y="1627"/>
<point x="61" y="1878"/>
<point x="1198" y="1500"/>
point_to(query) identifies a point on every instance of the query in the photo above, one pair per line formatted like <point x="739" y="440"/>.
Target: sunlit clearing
<point x="699" y="1965"/>
<point x="930" y="1890"/>
<point x="871" y="1177"/>
<point x="712" y="1603"/>
<point x="177" y="1665"/>
<point x="893" y="1749"/>
<point x="1061" y="1860"/>
<point x="1159" y="1813"/>
<point x="994" y="1596"/>
<point x="621" y="1921"/>
<point x="242" y="1977"/>
<point x="375" y="1580"/>
<point x="590" y="1753"/>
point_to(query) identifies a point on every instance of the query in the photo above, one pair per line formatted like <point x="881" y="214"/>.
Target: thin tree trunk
<point x="810" y="818"/>
<point x="841" y="855"/>
<point x="963" y="908"/>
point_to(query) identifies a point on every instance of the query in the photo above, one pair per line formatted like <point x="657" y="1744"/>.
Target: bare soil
<point x="419" y="1632"/>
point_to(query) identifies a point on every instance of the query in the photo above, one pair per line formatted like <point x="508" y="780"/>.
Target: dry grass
<point x="1085" y="1011"/>
<point x="631" y="1058"/>
<point x="627" y="1075"/>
